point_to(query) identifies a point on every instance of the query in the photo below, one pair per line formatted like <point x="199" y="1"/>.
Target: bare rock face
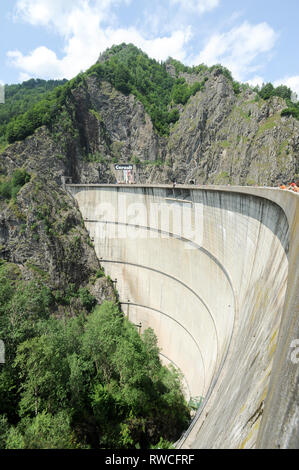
<point x="43" y="228"/>
<point x="226" y="138"/>
<point x="125" y="121"/>
<point x="114" y="128"/>
<point x="221" y="137"/>
<point x="38" y="153"/>
<point x="102" y="290"/>
<point x="43" y="233"/>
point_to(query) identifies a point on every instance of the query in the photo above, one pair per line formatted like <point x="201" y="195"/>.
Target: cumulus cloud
<point x="41" y="60"/>
<point x="291" y="82"/>
<point x="87" y="30"/>
<point x="43" y="11"/>
<point x="199" y="6"/>
<point x="88" y="27"/>
<point x="59" y="12"/>
<point x="256" y="81"/>
<point x="162" y="47"/>
<point x="238" y="48"/>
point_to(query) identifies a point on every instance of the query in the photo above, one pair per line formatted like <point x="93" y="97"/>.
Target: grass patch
<point x="224" y="143"/>
<point x="96" y="157"/>
<point x="9" y="187"/>
<point x="96" y="114"/>
<point x="222" y="178"/>
<point x="268" y="124"/>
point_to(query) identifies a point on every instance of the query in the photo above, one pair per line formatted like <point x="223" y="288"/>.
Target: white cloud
<point x="58" y="12"/>
<point x="42" y="62"/>
<point x="43" y="12"/>
<point x="199" y="6"/>
<point x="161" y="47"/>
<point x="291" y="82"/>
<point x="88" y="27"/>
<point x="238" y="48"/>
<point x="85" y="28"/>
<point x="24" y="76"/>
<point x="256" y="81"/>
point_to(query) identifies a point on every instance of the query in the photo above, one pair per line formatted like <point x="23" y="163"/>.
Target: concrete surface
<point x="214" y="271"/>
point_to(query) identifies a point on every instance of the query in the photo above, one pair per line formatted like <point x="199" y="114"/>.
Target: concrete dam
<point x="214" y="271"/>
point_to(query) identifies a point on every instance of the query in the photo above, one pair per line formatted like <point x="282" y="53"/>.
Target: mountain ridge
<point x="197" y="123"/>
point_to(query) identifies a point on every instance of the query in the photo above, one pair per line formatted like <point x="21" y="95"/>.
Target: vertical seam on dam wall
<point x="182" y="326"/>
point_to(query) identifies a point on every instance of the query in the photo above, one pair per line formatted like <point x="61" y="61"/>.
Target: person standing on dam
<point x="291" y="186"/>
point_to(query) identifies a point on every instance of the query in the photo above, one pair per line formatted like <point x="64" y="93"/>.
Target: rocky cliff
<point x="226" y="138"/>
<point x="42" y="231"/>
<point x="218" y="137"/>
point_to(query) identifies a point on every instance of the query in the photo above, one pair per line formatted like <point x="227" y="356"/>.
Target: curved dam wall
<point x="213" y="271"/>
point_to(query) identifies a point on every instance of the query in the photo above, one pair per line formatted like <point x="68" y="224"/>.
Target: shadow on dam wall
<point x="214" y="271"/>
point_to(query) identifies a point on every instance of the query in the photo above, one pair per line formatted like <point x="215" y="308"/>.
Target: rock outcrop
<point x="221" y="137"/>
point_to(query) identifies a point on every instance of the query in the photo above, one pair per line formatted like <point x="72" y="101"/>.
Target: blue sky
<point x="256" y="39"/>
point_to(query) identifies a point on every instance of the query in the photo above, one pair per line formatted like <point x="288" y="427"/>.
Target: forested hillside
<point x="21" y="97"/>
<point x="129" y="70"/>
<point x="87" y="381"/>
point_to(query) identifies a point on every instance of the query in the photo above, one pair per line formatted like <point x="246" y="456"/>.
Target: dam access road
<point x="214" y="270"/>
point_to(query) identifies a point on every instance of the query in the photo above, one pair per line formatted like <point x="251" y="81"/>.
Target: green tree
<point x="284" y="92"/>
<point x="87" y="300"/>
<point x="43" y="371"/>
<point x="267" y="91"/>
<point x="9" y="188"/>
<point x="95" y="371"/>
<point x="45" y="431"/>
<point x="122" y="78"/>
<point x="9" y="395"/>
<point x="4" y="430"/>
<point x="100" y="336"/>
